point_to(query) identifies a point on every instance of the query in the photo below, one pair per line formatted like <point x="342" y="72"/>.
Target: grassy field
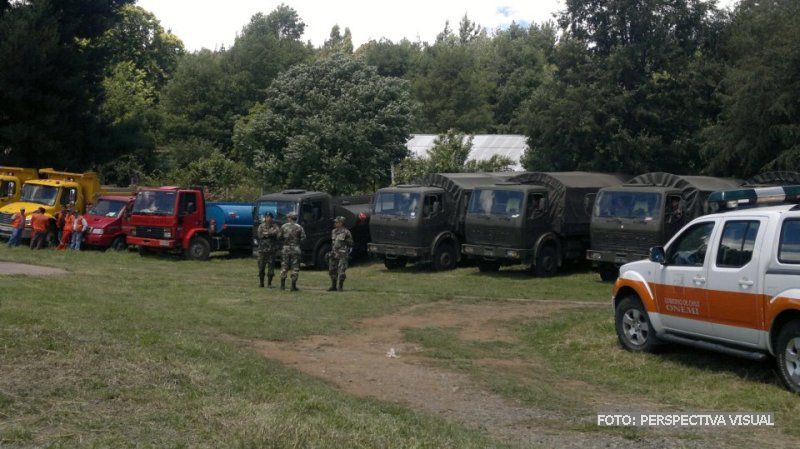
<point x="130" y="351"/>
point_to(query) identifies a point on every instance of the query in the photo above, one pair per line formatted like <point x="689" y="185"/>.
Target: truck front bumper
<point x="152" y="243"/>
<point x="497" y="253"/>
<point x="395" y="251"/>
<point x="99" y="240"/>
<point x="5" y="232"/>
<point x="613" y="257"/>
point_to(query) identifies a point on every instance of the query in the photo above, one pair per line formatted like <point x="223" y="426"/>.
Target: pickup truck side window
<point x="689" y="250"/>
<point x="789" y="249"/>
<point x="736" y="244"/>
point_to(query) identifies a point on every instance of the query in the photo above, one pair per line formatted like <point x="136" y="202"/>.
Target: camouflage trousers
<point x="337" y="266"/>
<point x="290" y="261"/>
<point x="266" y="260"/>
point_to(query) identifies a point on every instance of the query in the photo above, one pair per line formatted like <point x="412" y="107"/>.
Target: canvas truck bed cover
<point x="567" y="191"/>
<point x="458" y="187"/>
<point x="694" y="189"/>
<point x="774" y="178"/>
<point x="350" y="207"/>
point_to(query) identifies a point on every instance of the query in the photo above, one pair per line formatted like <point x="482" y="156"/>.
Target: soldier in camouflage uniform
<point x="268" y="234"/>
<point x="291" y="234"/>
<point x="341" y="245"/>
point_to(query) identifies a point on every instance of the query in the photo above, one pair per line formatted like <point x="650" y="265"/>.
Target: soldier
<point x="292" y="234"/>
<point x="268" y="234"/>
<point x="342" y="244"/>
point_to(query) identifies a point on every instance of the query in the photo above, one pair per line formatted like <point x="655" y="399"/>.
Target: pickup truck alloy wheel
<point x="633" y="326"/>
<point x="788" y="352"/>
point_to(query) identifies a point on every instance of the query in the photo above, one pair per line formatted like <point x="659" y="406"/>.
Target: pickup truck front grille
<point x="5" y="219"/>
<point x="150" y="232"/>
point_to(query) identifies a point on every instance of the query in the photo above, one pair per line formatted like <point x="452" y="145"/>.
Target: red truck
<point x="178" y="220"/>
<point x="108" y="222"/>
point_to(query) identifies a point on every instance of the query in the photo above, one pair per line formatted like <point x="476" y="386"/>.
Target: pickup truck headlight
<point x="98" y="231"/>
<point x="167" y="234"/>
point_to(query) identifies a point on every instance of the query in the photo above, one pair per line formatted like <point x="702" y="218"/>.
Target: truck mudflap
<point x="394" y="251"/>
<point x="614" y="257"/>
<point x="497" y="253"/>
<point x="152" y="243"/>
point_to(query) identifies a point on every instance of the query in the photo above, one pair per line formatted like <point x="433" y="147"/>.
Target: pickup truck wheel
<point x="608" y="273"/>
<point x="321" y="262"/>
<point x="633" y="326"/>
<point x="788" y="355"/>
<point x="198" y="249"/>
<point x="395" y="264"/>
<point x="485" y="266"/>
<point x="119" y="244"/>
<point x="546" y="262"/>
<point x="444" y="257"/>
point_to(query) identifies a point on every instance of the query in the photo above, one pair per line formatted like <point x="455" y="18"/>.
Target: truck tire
<point x="119" y="244"/>
<point x="787" y="353"/>
<point x="546" y="261"/>
<point x="634" y="331"/>
<point x="320" y="261"/>
<point x="395" y="264"/>
<point x="198" y="249"/>
<point x="445" y="257"/>
<point x="608" y="272"/>
<point x="486" y="266"/>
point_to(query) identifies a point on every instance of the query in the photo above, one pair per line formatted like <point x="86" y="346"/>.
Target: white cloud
<point x="214" y="23"/>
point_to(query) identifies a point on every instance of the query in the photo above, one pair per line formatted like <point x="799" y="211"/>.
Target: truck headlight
<point x="98" y="231"/>
<point x="468" y="249"/>
<point x="133" y="232"/>
<point x="167" y="234"/>
<point x="512" y="254"/>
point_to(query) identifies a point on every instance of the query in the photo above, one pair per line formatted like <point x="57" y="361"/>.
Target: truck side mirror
<point x="658" y="255"/>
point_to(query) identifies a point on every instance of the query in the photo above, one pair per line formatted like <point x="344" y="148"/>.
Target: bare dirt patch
<point x="16" y="269"/>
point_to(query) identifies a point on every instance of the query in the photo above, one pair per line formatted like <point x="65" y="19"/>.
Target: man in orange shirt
<point x="66" y="234"/>
<point x="17" y="226"/>
<point x="39" y="222"/>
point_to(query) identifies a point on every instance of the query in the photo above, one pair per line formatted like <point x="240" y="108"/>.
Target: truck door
<point x="433" y="214"/>
<point x="734" y="288"/>
<point x="681" y="295"/>
<point x="189" y="214"/>
<point x="315" y="222"/>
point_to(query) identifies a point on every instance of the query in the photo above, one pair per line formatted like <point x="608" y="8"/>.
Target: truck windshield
<point x="150" y="202"/>
<point x="278" y="209"/>
<point x="107" y="208"/>
<point x="34" y="193"/>
<point x="639" y="205"/>
<point x="400" y="204"/>
<point x="503" y="203"/>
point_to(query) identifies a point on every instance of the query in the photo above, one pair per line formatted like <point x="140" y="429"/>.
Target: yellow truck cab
<point x="54" y="192"/>
<point x="11" y="181"/>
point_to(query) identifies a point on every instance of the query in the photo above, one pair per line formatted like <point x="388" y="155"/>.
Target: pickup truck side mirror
<point x="658" y="255"/>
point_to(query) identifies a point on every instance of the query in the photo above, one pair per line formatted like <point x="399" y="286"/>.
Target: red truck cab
<point x="169" y="219"/>
<point x="108" y="222"/>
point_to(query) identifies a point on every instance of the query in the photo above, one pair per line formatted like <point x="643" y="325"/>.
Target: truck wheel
<point x="321" y="262"/>
<point x="608" y="273"/>
<point x="788" y="355"/>
<point x="546" y="262"/>
<point x="444" y="257"/>
<point x="634" y="331"/>
<point x="395" y="264"/>
<point x="119" y="244"/>
<point x="485" y="266"/>
<point x="198" y="249"/>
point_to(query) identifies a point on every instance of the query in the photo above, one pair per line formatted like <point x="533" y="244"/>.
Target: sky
<point x="215" y="23"/>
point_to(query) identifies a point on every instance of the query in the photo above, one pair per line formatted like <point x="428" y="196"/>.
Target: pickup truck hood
<point x="100" y="221"/>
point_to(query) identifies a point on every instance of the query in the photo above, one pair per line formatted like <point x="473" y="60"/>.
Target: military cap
<point x="339" y="219"/>
<point x="292" y="215"/>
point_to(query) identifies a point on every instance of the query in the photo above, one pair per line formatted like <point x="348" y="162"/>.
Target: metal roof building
<point x="484" y="146"/>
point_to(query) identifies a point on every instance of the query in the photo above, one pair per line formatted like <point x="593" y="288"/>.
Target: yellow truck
<point x="11" y="181"/>
<point x="54" y="191"/>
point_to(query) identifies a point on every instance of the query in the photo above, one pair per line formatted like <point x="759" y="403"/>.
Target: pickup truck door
<point x="736" y="308"/>
<point x="681" y="294"/>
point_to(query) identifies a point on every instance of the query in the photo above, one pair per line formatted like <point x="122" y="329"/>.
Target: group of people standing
<point x="287" y="239"/>
<point x="68" y="232"/>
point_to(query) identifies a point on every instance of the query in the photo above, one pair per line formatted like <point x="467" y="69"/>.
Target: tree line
<point x="617" y="86"/>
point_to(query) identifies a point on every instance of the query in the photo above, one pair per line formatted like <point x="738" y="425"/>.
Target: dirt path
<point x="358" y="364"/>
<point x="12" y="268"/>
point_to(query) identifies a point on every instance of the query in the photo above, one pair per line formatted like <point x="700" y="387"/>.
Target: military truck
<point x="315" y="212"/>
<point x="11" y="181"/>
<point x="424" y="222"/>
<point x="536" y="218"/>
<point x="645" y="212"/>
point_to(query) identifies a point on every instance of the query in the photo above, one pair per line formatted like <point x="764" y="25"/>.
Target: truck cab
<point x="409" y="223"/>
<point x="108" y="222"/>
<point x="727" y="282"/>
<point x="11" y="181"/>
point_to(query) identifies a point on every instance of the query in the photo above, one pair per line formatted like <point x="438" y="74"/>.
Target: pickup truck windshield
<point x="108" y="208"/>
<point x="502" y="203"/>
<point x="278" y="209"/>
<point x="634" y="205"/>
<point x="151" y="202"/>
<point x="401" y="204"/>
<point x="33" y="193"/>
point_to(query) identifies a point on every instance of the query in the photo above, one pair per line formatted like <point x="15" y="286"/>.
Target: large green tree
<point x="333" y="125"/>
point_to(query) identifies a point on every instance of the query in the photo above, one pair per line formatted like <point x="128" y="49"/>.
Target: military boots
<point x="341" y="284"/>
<point x="332" y="288"/>
<point x="261" y="281"/>
<point x="269" y="281"/>
<point x="294" y="285"/>
<point x="283" y="283"/>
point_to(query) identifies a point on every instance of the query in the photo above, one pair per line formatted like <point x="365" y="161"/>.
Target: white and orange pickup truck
<point x="728" y="282"/>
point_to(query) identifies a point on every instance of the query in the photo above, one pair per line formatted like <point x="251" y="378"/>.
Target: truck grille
<point x="5" y="219"/>
<point x="624" y="241"/>
<point x="150" y="232"/>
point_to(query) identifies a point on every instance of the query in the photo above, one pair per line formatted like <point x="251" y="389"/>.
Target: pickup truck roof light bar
<point x="732" y="199"/>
